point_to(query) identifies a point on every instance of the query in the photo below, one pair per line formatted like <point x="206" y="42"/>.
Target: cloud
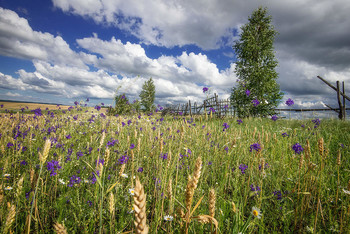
<point x="115" y="65"/>
<point x="17" y="39"/>
<point x="12" y="94"/>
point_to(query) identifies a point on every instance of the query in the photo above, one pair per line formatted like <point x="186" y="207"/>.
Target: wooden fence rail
<point x="223" y="108"/>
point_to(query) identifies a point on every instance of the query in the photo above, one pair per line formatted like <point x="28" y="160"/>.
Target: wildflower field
<point x="81" y="171"/>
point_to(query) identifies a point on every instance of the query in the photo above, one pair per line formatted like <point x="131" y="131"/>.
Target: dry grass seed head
<point x="140" y="208"/>
<point x="234" y="208"/>
<point x="339" y="158"/>
<point x="19" y="186"/>
<point x="10" y="218"/>
<point x="106" y="159"/>
<point x="301" y="161"/>
<point x="60" y="228"/>
<point x="111" y="203"/>
<point x="321" y="146"/>
<point x="45" y="154"/>
<point x="212" y="200"/>
<point x="122" y="168"/>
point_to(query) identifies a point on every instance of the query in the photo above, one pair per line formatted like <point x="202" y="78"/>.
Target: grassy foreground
<point x="83" y="172"/>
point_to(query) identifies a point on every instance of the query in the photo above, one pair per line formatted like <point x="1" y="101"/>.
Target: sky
<point x="61" y="51"/>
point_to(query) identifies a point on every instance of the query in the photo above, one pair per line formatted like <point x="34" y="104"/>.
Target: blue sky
<point x="60" y="51"/>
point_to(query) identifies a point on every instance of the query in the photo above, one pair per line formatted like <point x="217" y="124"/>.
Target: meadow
<point x="81" y="171"/>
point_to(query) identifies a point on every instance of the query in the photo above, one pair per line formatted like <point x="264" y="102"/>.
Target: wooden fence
<point x="220" y="108"/>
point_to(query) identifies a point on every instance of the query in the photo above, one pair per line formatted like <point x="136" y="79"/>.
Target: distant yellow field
<point x="31" y="106"/>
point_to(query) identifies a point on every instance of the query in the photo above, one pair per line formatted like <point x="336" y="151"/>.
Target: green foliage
<point x="255" y="67"/>
<point x="122" y="106"/>
<point x="298" y="192"/>
<point x="147" y="95"/>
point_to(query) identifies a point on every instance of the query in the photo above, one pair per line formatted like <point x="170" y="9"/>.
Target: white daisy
<point x="61" y="181"/>
<point x="7" y="175"/>
<point x="168" y="218"/>
<point x="256" y="212"/>
<point x="8" y="188"/>
<point x="124" y="175"/>
<point x="131" y="210"/>
<point x="132" y="191"/>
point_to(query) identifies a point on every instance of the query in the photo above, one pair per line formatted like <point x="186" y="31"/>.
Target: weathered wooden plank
<point x="339" y="101"/>
<point x="330" y="85"/>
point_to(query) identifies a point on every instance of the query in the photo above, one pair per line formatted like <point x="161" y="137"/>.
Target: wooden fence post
<point x="344" y="106"/>
<point x="189" y="105"/>
<point x="339" y="101"/>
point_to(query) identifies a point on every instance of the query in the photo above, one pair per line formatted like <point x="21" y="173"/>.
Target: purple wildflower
<point x="205" y="89"/>
<point x="255" y="146"/>
<point x="140" y="169"/>
<point x="239" y="121"/>
<point x="243" y="167"/>
<point x="297" y="148"/>
<point x="226" y="126"/>
<point x="74" y="180"/>
<point x="247" y="92"/>
<point x="255" y="102"/>
<point x="53" y="167"/>
<point x="289" y="102"/>
<point x="274" y="117"/>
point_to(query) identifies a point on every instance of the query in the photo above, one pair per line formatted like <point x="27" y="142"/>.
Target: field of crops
<point x="84" y="172"/>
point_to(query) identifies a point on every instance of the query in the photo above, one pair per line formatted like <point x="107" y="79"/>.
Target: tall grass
<point x="195" y="175"/>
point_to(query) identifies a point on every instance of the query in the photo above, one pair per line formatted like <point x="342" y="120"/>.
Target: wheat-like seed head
<point x="122" y="168"/>
<point x="339" y="158"/>
<point x="301" y="161"/>
<point x="189" y="193"/>
<point x="10" y="218"/>
<point x="180" y="212"/>
<point x="202" y="219"/>
<point x="212" y="200"/>
<point x="140" y="208"/>
<point x="262" y="165"/>
<point x="169" y="159"/>
<point x="19" y="187"/>
<point x="321" y="146"/>
<point x="161" y="145"/>
<point x="46" y="150"/>
<point x="307" y="150"/>
<point x="31" y="176"/>
<point x="106" y="159"/>
<point x="138" y="145"/>
<point x="274" y="137"/>
<point x="135" y="133"/>
<point x="234" y="208"/>
<point x="102" y="138"/>
<point x="111" y="204"/>
<point x="170" y="190"/>
<point x="60" y="228"/>
<point x="3" y="149"/>
<point x="197" y="172"/>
